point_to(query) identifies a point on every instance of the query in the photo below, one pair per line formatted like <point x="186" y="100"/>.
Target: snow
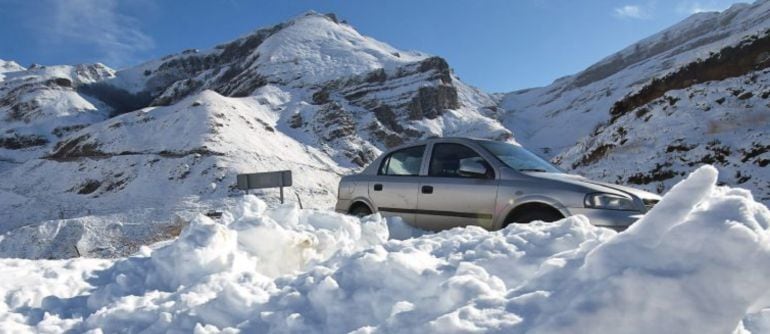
<point x="8" y="66"/>
<point x="700" y="257"/>
<point x="41" y="102"/>
<point x="720" y="122"/>
<point x="152" y="165"/>
<point x="696" y="263"/>
<point x="324" y="50"/>
<point x="180" y="155"/>
<point x="313" y="45"/>
<point x="712" y="120"/>
<point x="584" y="100"/>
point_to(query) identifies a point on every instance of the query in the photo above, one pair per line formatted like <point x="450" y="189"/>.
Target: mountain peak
<point x="312" y="13"/>
<point x="322" y="49"/>
<point x="307" y="50"/>
<point x="10" y="66"/>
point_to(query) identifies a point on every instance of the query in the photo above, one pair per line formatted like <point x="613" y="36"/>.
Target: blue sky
<point x="497" y="45"/>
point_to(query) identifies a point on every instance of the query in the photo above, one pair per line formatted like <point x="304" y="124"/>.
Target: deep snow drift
<point x="697" y="263"/>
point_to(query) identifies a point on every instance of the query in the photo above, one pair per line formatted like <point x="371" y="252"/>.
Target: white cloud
<point x="100" y="25"/>
<point x="631" y="11"/>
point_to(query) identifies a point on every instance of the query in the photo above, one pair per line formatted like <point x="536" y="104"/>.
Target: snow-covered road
<point x="698" y="263"/>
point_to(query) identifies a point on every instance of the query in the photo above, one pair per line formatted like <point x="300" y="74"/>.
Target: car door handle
<point x="378" y="187"/>
<point x="427" y="189"/>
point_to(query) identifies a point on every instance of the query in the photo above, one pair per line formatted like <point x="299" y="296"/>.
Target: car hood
<point x="596" y="185"/>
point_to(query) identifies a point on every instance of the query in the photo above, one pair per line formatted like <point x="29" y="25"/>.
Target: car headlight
<point x="609" y="201"/>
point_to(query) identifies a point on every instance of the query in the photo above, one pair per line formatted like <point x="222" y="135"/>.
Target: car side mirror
<point x="472" y="168"/>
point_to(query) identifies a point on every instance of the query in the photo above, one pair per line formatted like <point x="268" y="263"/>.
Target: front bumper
<point x="615" y="219"/>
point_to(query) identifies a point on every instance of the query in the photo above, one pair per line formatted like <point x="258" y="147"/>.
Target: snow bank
<point x="696" y="264"/>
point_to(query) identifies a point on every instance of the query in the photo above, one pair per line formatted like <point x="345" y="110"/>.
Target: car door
<point x="394" y="190"/>
<point x="448" y="198"/>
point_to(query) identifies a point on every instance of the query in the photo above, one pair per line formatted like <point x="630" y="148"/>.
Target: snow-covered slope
<point x="584" y="100"/>
<point x="724" y="123"/>
<point x="311" y="48"/>
<point x="171" y="159"/>
<point x="693" y="93"/>
<point x="166" y="138"/>
<point x="697" y="263"/>
<point x="41" y="104"/>
<point x="366" y="91"/>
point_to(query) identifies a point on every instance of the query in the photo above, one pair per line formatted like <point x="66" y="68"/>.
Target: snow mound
<point x="697" y="263"/>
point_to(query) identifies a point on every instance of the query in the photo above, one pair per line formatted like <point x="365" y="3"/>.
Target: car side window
<point x="447" y="158"/>
<point x="404" y="162"/>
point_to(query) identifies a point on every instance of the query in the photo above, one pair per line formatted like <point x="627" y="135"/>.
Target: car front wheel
<point x="535" y="214"/>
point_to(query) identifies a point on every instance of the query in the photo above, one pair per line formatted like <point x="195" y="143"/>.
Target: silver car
<point x="448" y="182"/>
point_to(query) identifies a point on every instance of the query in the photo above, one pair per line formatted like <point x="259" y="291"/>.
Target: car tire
<point x="528" y="216"/>
<point x="360" y="211"/>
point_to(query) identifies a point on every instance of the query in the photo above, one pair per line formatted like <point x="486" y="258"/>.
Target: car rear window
<point x="404" y="162"/>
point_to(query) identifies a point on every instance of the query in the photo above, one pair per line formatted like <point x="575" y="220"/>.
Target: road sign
<point x="278" y="179"/>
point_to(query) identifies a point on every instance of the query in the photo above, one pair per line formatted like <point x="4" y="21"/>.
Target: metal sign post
<point x="278" y="179"/>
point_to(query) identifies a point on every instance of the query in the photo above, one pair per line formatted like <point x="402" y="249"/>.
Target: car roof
<point x="440" y="139"/>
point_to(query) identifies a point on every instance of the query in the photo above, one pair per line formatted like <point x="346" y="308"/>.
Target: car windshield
<point x="519" y="158"/>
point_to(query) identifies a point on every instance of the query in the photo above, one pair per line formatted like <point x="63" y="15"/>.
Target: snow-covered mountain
<point x="95" y="161"/>
<point x="98" y="162"/>
<point x="83" y="145"/>
<point x="695" y="93"/>
<point x="40" y="105"/>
